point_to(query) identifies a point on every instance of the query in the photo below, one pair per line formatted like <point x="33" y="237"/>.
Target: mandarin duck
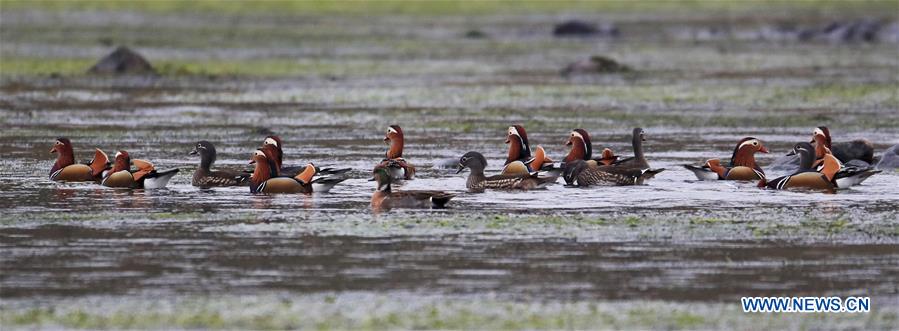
<point x="478" y="182"/>
<point x="393" y="161"/>
<point x="806" y="177"/>
<point x="851" y="171"/>
<point x="519" y="160"/>
<point x="386" y="198"/>
<point x="274" y="142"/>
<point x="634" y="170"/>
<point x="742" y="164"/>
<point x="145" y="177"/>
<point x="65" y="168"/>
<point x="205" y="177"/>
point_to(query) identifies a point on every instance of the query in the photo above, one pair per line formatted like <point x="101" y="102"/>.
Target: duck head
<point x="122" y="162"/>
<point x="806" y="155"/>
<point x="519" y="147"/>
<point x="474" y="161"/>
<point x="744" y="152"/>
<point x="382" y="177"/>
<point x="65" y="154"/>
<point x="271" y="153"/>
<point x="272" y="140"/>
<point x="638" y="136"/>
<point x="275" y="142"/>
<point x="394" y="138"/>
<point x="207" y="153"/>
<point x="821" y="139"/>
<point x="581" y="147"/>
<point x="263" y="170"/>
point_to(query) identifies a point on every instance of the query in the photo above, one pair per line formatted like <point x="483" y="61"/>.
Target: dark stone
<point x="859" y="149"/>
<point x="475" y="34"/>
<point x="890" y="158"/>
<point x="575" y="28"/>
<point x="597" y="64"/>
<point x="123" y="61"/>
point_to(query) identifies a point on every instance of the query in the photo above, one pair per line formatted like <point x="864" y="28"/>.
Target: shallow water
<point x="675" y="239"/>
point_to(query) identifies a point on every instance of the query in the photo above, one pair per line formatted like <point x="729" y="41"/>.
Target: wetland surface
<point x="675" y="253"/>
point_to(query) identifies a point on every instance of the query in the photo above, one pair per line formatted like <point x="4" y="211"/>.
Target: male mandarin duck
<point x="742" y="164"/>
<point x="145" y="177"/>
<point x="807" y="177"/>
<point x="478" y="182"/>
<point x="636" y="167"/>
<point x="520" y="160"/>
<point x="393" y="161"/>
<point x="859" y="149"/>
<point x="386" y="198"/>
<point x="65" y="168"/>
<point x="849" y="174"/>
<point x="265" y="179"/>
<point x="274" y="143"/>
<point x="205" y="177"/>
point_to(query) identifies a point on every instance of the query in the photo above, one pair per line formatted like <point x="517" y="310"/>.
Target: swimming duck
<point x="635" y="167"/>
<point x="265" y="178"/>
<point x="519" y="160"/>
<point x="858" y="149"/>
<point x="205" y="177"/>
<point x="807" y="177"/>
<point x="393" y="161"/>
<point x="851" y="172"/>
<point x="277" y="148"/>
<point x="584" y="173"/>
<point x="145" y="177"/>
<point x="65" y="168"/>
<point x="478" y="182"/>
<point x="386" y="198"/>
<point x="742" y="163"/>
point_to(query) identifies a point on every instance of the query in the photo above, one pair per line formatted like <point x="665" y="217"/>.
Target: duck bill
<point x="387" y="140"/>
<point x="763" y="149"/>
<point x="194" y="152"/>
<point x="53" y="150"/>
<point x="252" y="162"/>
<point x="461" y="168"/>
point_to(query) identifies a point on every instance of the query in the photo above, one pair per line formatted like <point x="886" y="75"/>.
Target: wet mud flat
<point x="673" y="254"/>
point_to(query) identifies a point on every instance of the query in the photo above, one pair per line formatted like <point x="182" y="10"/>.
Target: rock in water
<point x="859" y="149"/>
<point x="575" y="28"/>
<point x="890" y="158"/>
<point x="595" y="65"/>
<point x="123" y="61"/>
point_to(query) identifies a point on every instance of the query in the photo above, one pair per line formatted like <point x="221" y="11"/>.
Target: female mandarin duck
<point x="632" y="171"/>
<point x="65" y="168"/>
<point x="145" y="177"/>
<point x="807" y="177"/>
<point x="478" y="182"/>
<point x="519" y="160"/>
<point x="393" y="161"/>
<point x="385" y="198"/>
<point x="205" y="177"/>
<point x="848" y="175"/>
<point x="275" y="144"/>
<point x="742" y="164"/>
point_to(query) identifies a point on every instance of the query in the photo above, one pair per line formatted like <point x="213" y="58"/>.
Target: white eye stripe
<point x="818" y="132"/>
<point x="270" y="141"/>
<point x="577" y="134"/>
<point x="391" y="130"/>
<point x="752" y="142"/>
<point x="513" y="131"/>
